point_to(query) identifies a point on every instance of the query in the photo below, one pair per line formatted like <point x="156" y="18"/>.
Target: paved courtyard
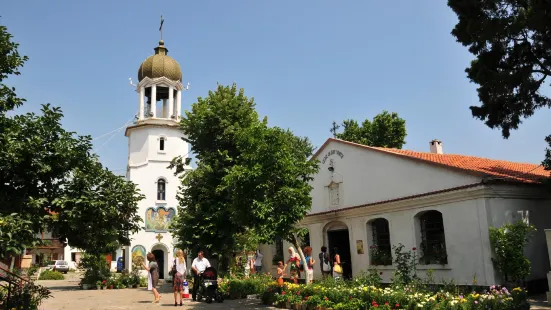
<point x="67" y="296"/>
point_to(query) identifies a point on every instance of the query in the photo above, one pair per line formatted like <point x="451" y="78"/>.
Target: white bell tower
<point x="153" y="141"/>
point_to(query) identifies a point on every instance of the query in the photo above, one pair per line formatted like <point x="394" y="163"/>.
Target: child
<point x="280" y="274"/>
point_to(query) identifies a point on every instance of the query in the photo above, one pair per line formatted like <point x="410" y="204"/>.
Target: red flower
<point x="397" y="305"/>
<point x="326" y="298"/>
<point x="283" y="293"/>
<point x="386" y="303"/>
<point x="298" y="293"/>
<point x="414" y="249"/>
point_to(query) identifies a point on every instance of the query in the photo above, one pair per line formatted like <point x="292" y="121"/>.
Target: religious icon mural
<point x="138" y="256"/>
<point x="158" y="219"/>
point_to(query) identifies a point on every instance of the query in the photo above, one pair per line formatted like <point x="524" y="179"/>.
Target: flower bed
<point x="344" y="295"/>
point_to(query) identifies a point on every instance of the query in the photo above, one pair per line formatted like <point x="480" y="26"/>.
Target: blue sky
<point x="306" y="63"/>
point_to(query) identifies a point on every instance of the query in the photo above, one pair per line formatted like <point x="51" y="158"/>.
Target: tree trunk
<point x="12" y="263"/>
<point x="295" y="242"/>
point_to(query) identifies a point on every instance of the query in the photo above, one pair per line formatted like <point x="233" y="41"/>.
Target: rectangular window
<point x="162" y="144"/>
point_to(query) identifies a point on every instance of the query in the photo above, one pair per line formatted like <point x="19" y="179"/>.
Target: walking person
<point x="309" y="268"/>
<point x="325" y="263"/>
<point x="337" y="267"/>
<point x="179" y="270"/>
<point x="258" y="261"/>
<point x="200" y="263"/>
<point x="153" y="276"/>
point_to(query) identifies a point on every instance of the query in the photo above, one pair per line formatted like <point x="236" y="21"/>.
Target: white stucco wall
<point x="466" y="243"/>
<point x="366" y="176"/>
<point x="536" y="212"/>
<point x="147" y="164"/>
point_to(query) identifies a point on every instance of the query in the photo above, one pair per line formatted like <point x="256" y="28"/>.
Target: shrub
<point x="143" y="282"/>
<point x="508" y="243"/>
<point x="406" y="266"/>
<point x="96" y="268"/>
<point x="51" y="275"/>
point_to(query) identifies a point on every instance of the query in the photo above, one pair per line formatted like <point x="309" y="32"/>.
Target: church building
<point x="153" y="141"/>
<point x="365" y="200"/>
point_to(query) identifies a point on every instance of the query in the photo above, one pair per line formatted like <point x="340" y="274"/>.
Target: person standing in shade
<point x="200" y="263"/>
<point x="258" y="261"/>
<point x="294" y="265"/>
<point x="309" y="268"/>
<point x="325" y="263"/>
<point x="337" y="267"/>
<point x="153" y="276"/>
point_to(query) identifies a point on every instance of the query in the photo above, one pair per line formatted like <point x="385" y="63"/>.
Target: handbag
<point x="337" y="268"/>
<point x="173" y="270"/>
<point x="326" y="267"/>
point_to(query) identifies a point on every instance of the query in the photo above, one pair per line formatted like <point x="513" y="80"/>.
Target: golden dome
<point x="160" y="65"/>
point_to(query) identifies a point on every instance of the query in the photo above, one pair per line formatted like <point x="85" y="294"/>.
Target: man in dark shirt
<point x="325" y="262"/>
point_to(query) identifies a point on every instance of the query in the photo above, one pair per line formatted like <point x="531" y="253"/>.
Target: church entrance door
<point x="340" y="239"/>
<point x="160" y="258"/>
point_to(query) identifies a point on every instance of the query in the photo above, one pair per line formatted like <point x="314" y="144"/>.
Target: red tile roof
<point x="500" y="169"/>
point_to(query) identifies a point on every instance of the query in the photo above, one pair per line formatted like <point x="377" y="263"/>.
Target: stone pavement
<point x="67" y="296"/>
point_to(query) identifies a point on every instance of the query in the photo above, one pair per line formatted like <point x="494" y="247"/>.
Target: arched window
<point x="162" y="142"/>
<point x="380" y="251"/>
<point x="161" y="189"/>
<point x="305" y="240"/>
<point x="433" y="239"/>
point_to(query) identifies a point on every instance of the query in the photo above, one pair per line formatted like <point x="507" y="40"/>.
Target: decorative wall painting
<point x="158" y="219"/>
<point x="360" y="246"/>
<point x="138" y="256"/>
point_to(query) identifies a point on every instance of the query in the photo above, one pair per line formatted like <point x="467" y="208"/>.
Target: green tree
<point x="211" y="128"/>
<point x="511" y="43"/>
<point x="98" y="209"/>
<point x="49" y="178"/>
<point x="251" y="179"/>
<point x="269" y="184"/>
<point x="385" y="130"/>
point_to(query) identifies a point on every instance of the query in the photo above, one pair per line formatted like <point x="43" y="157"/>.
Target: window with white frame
<point x="161" y="189"/>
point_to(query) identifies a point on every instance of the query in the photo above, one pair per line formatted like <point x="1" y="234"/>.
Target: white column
<point x="165" y="109"/>
<point x="154" y="100"/>
<point x="178" y="105"/>
<point x="140" y="101"/>
<point x="170" y="101"/>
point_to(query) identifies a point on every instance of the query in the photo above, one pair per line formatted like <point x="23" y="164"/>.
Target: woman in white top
<point x="180" y="269"/>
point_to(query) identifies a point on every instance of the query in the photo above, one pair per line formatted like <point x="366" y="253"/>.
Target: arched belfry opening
<point x="160" y="86"/>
